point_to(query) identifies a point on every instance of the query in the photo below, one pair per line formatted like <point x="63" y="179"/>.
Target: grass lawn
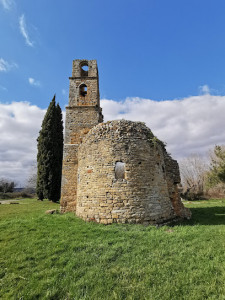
<point x="62" y="257"/>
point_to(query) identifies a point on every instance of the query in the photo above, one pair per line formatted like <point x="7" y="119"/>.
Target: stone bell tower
<point x="83" y="113"/>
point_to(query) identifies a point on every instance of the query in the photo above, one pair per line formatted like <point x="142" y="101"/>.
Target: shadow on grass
<point x="207" y="216"/>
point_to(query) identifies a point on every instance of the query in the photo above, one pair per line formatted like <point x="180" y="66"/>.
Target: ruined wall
<point x="173" y="179"/>
<point x="142" y="193"/>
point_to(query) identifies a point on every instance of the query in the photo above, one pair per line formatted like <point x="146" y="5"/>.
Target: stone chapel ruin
<point x="116" y="171"/>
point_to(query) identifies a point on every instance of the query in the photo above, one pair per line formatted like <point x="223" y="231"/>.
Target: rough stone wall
<point x="143" y="195"/>
<point x="92" y="92"/>
<point x="89" y="79"/>
<point x="69" y="178"/>
<point x="82" y="114"/>
<point x="173" y="179"/>
<point x="92" y="68"/>
<point x="79" y="120"/>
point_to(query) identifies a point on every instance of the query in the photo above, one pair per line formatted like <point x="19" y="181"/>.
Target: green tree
<point x="217" y="166"/>
<point x="6" y="186"/>
<point x="50" y="151"/>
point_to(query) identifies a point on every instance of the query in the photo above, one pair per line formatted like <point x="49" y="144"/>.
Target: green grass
<point x="62" y="257"/>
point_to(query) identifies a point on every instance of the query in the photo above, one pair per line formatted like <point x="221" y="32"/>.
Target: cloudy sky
<point x="161" y="62"/>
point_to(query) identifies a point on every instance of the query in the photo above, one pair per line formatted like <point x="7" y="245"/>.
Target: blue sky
<point x="147" y="51"/>
<point x="150" y="49"/>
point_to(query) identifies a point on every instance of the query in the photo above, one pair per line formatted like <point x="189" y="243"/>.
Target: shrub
<point x="14" y="195"/>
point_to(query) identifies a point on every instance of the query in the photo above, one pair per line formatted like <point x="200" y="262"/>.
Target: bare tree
<point x="193" y="171"/>
<point x="32" y="179"/>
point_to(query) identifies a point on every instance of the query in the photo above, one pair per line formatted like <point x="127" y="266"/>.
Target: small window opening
<point x="120" y="170"/>
<point x="84" y="69"/>
<point x="83" y="90"/>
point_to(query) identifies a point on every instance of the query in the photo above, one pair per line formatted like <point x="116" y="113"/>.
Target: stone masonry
<point x="116" y="171"/>
<point x="145" y="191"/>
<point x="82" y="114"/>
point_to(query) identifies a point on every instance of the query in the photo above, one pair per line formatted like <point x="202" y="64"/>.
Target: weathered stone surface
<point x="115" y="171"/>
<point x="82" y="114"/>
<point x="51" y="211"/>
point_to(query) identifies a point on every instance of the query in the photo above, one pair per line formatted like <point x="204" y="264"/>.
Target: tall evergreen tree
<point x="50" y="151"/>
<point x="58" y="154"/>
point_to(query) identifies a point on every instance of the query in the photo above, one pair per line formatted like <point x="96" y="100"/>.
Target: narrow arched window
<point x="83" y="90"/>
<point x="120" y="170"/>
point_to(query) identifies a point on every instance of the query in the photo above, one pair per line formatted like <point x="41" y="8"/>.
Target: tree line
<point x="203" y="177"/>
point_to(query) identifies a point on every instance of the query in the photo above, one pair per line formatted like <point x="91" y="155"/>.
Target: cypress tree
<point x="58" y="154"/>
<point x="49" y="157"/>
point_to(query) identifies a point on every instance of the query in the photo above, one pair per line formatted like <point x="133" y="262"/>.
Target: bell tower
<point x="83" y="113"/>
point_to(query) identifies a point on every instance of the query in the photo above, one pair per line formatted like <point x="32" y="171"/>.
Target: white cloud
<point x="24" y="32"/>
<point x="6" y="66"/>
<point x="204" y="89"/>
<point x="34" y="82"/>
<point x="20" y="123"/>
<point x="7" y="4"/>
<point x="190" y="125"/>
